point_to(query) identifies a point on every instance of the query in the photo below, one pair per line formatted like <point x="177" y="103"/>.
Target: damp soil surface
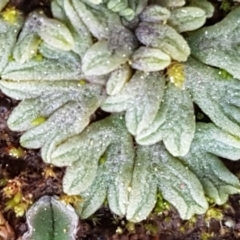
<point x="22" y="170"/>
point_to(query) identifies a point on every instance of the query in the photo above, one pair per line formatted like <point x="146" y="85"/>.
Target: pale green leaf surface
<point x="33" y="89"/>
<point x="65" y="12"/>
<point x="81" y="174"/>
<point x="101" y="160"/>
<point x="55" y="33"/>
<point x="171" y="3"/>
<point x="96" y="1"/>
<point x="115" y="174"/>
<point x="150" y="59"/>
<point x="53" y="53"/>
<point x="100" y="80"/>
<point x="100" y="60"/>
<point x="30" y="25"/>
<point x="178" y="185"/>
<point x="113" y="178"/>
<point x="183" y="191"/>
<point x="94" y="196"/>
<point x="68" y="152"/>
<point x="46" y="69"/>
<point x="112" y="141"/>
<point x="122" y="8"/>
<point x="30" y="109"/>
<point x="155" y="14"/>
<point x="187" y="18"/>
<point x="204" y="5"/>
<point x="50" y="219"/>
<point x="26" y="48"/>
<point x="3" y="3"/>
<point x="81" y="119"/>
<point x="218" y="45"/>
<point x="53" y="64"/>
<point x="128" y="14"/>
<point x="142" y="195"/>
<point x="64" y="118"/>
<point x="117" y="6"/>
<point x="215" y="95"/>
<point x="57" y="10"/>
<point x="218" y="182"/>
<point x="174" y="123"/>
<point x="140" y="98"/>
<point x="113" y="52"/>
<point x="48" y="125"/>
<point x="95" y="20"/>
<point x="81" y="34"/>
<point x="51" y="31"/>
<point x="119" y="164"/>
<point x="209" y="138"/>
<point x="118" y="79"/>
<point x="82" y="162"/>
<point x="102" y="12"/>
<point x="63" y="121"/>
<point x="165" y="38"/>
<point x="122" y="42"/>
<point x="8" y="37"/>
<point x="138" y="5"/>
<point x="83" y="158"/>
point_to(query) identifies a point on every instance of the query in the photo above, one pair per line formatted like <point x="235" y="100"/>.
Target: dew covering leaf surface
<point x="130" y="60"/>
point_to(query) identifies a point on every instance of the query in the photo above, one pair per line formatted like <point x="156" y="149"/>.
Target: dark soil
<point x="28" y="5"/>
<point x="24" y="171"/>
